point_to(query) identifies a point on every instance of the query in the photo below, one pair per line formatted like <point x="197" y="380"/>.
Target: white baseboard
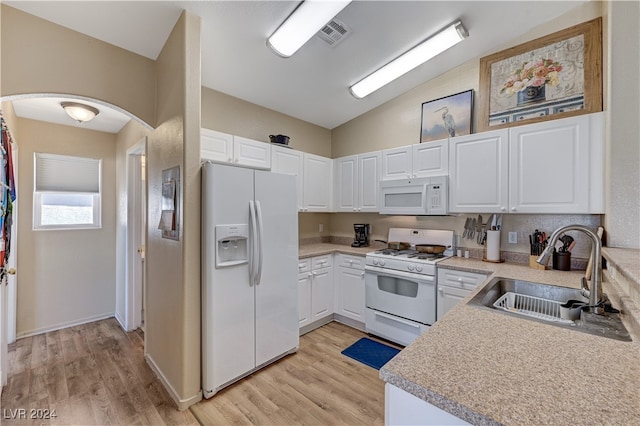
<point x="182" y="404"/>
<point x="62" y="325"/>
<point x="350" y="322"/>
<point x="121" y="322"/>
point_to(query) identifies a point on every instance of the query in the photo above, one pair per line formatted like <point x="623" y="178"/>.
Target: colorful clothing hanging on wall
<point x="7" y="197"/>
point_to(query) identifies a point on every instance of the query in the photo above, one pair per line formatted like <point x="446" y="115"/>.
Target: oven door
<point x="403" y="294"/>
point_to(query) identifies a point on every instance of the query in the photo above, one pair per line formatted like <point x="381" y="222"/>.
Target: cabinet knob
<point x="362" y="274"/>
<point x="230" y="159"/>
<point x="502" y="209"/>
<point x="513" y="209"/>
<point x="355" y="210"/>
<point x="440" y="289"/>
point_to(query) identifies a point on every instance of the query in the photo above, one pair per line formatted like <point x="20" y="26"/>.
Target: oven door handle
<point x="393" y="273"/>
<point x="396" y="319"/>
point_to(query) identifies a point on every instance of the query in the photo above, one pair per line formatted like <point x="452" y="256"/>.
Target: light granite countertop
<point x="489" y="368"/>
<point x="319" y="249"/>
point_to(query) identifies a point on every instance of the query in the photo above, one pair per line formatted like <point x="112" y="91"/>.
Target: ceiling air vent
<point x="334" y="32"/>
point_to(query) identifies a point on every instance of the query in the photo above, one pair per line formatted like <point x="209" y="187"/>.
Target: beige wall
<point x="128" y="136"/>
<point x="173" y="267"/>
<point x="65" y="276"/>
<point x="622" y="220"/>
<point x="397" y="123"/>
<point x="232" y="115"/>
<point x="41" y="57"/>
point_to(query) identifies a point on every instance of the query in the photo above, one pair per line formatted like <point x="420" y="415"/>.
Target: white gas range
<point x="400" y="285"/>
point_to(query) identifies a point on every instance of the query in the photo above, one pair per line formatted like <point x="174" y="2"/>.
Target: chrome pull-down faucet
<point x="595" y="292"/>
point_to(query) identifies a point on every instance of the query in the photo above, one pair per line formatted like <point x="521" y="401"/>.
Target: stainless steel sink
<point x="541" y="302"/>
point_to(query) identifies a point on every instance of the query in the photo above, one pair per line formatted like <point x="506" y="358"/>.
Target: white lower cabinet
<point x="402" y="408"/>
<point x="315" y="290"/>
<point x="304" y="292"/>
<point x="349" y="286"/>
<point x="453" y="286"/>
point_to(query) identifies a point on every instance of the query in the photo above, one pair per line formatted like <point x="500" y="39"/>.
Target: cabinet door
<point x="397" y="163"/>
<point x="369" y="181"/>
<point x="321" y="293"/>
<point x="304" y="298"/>
<point x="549" y="166"/>
<point x="251" y="153"/>
<point x="478" y="172"/>
<point x="317" y="183"/>
<point x="288" y="161"/>
<point x="216" y="146"/>
<point x="346" y="184"/>
<point x="431" y="158"/>
<point x="448" y="297"/>
<point x="349" y="288"/>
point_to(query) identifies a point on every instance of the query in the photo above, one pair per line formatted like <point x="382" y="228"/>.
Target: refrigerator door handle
<point x="260" y="244"/>
<point x="252" y="249"/>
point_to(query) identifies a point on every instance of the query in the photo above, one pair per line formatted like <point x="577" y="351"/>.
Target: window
<point x="67" y="192"/>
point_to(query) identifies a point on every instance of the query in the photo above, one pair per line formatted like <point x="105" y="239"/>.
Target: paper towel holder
<point x="484" y="255"/>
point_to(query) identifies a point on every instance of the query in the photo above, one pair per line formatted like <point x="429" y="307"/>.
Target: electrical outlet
<point x="321" y="228"/>
<point x="513" y="237"/>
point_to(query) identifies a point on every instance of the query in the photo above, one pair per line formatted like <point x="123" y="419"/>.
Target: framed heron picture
<point x="447" y="117"/>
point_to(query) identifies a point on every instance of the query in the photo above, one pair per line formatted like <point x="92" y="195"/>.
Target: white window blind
<point x="62" y="173"/>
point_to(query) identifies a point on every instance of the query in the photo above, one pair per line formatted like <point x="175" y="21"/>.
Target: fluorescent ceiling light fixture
<point x="302" y="24"/>
<point x="79" y="112"/>
<point x="434" y="45"/>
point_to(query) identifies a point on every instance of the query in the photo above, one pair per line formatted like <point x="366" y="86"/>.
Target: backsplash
<point x="340" y="225"/>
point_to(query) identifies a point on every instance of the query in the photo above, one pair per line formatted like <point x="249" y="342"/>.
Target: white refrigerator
<point x="249" y="272"/>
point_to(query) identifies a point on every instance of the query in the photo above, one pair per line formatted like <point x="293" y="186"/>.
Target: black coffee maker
<point x="362" y="235"/>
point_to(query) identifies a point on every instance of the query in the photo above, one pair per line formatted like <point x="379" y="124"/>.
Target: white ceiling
<point x="313" y="84"/>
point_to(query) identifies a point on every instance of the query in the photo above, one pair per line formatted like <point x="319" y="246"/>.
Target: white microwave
<point x="416" y="196"/>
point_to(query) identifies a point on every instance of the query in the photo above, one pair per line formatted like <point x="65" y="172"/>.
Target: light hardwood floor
<point x="96" y="374"/>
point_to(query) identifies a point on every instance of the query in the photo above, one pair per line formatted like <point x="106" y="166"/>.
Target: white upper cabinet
<point x="357" y="179"/>
<point x="369" y="170"/>
<point x="478" y="172"/>
<point x="289" y="161"/>
<point x="548" y="166"/>
<point x="419" y="160"/>
<point x="216" y="146"/>
<point x="251" y="153"/>
<point x="346" y="183"/>
<point x="431" y="158"/>
<point x="317" y="183"/>
<point x="397" y="163"/>
<point x="556" y="166"/>
<point x="224" y="148"/>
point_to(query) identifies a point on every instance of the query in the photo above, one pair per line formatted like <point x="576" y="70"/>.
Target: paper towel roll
<point x="493" y="245"/>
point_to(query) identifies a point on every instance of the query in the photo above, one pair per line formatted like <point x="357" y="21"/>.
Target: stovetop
<point x="411" y="260"/>
<point x="409" y="254"/>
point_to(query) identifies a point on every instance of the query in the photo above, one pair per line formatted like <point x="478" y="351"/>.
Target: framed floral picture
<point x="551" y="77"/>
<point x="447" y="117"/>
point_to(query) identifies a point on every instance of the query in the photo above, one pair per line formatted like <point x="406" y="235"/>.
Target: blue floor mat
<point x="370" y="353"/>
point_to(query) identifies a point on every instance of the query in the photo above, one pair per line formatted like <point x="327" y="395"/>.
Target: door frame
<point x="135" y="243"/>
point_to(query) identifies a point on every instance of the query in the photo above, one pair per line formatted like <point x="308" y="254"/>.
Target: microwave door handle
<point x="426" y="191"/>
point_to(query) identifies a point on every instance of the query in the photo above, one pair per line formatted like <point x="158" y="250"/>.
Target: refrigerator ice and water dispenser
<point x="231" y="247"/>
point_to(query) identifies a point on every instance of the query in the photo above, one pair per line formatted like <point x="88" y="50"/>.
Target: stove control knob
<point x="381" y="262"/>
<point x="410" y="267"/>
<point x="375" y="262"/>
<point x="419" y="268"/>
